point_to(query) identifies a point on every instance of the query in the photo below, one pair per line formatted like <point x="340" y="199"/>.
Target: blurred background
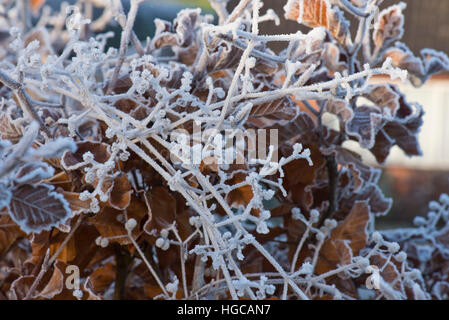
<point x="411" y="182"/>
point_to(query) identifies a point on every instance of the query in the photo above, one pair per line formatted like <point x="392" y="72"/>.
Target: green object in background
<point x="204" y="4"/>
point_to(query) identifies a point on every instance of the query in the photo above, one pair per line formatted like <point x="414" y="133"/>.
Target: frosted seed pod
<point x="393" y="247"/>
<point x="14" y="32"/>
<point x="227" y="235"/>
<point x="315" y="215"/>
<point x="433" y="205"/>
<point x="124" y="156"/>
<point x="160" y="242"/>
<point x="265" y="215"/>
<point x="130" y="224"/>
<point x="270" y="289"/>
<point x="171" y="287"/>
<point x="432" y="215"/>
<point x="95" y="208"/>
<point x="320" y="236"/>
<point x="306" y="268"/>
<point x="90" y="176"/>
<point x="296" y="212"/>
<point x="330" y="223"/>
<point x="220" y="94"/>
<point x="104" y="242"/>
<point x="377" y="237"/>
<point x="77" y="294"/>
<point x="414" y="274"/>
<point x="195" y="221"/>
<point x="444" y="198"/>
<point x="88" y="156"/>
<point x="164" y="233"/>
<point x="401" y="256"/>
<point x="163" y="244"/>
<point x="84" y="196"/>
<point x="419" y="221"/>
<point x="262" y="228"/>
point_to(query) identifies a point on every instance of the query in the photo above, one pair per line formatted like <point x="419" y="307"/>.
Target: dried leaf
<point x="163" y="208"/>
<point x="390" y="25"/>
<point x="38" y="208"/>
<point x="99" y="151"/>
<point x="8" y="130"/>
<point x="318" y="13"/>
<point x="120" y="196"/>
<point x="33" y="173"/>
<point x="76" y="205"/>
<point x="9" y="233"/>
<point x="419" y="70"/>
<point x="346" y="240"/>
<point x="110" y="226"/>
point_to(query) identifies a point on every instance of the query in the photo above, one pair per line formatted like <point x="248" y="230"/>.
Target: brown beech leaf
<point x="108" y="225"/>
<point x="33" y="173"/>
<point x="300" y="130"/>
<point x="361" y="173"/>
<point x="347" y="239"/>
<point x="402" y="57"/>
<point x="384" y="96"/>
<point x="331" y="58"/>
<point x="378" y="130"/>
<point x="333" y="253"/>
<point x="9" y="233"/>
<point x="88" y="287"/>
<point x="8" y="130"/>
<point x="373" y="195"/>
<point x="76" y="205"/>
<point x="390" y="25"/>
<point x="163" y="208"/>
<point x="318" y="13"/>
<point x="312" y="13"/>
<point x="389" y="272"/>
<point x="183" y="26"/>
<point x="99" y="151"/>
<point x="365" y="125"/>
<point x="341" y="109"/>
<point x="239" y="197"/>
<point x="434" y="62"/>
<point x="55" y="285"/>
<point x="419" y="69"/>
<point x="353" y="227"/>
<point x="266" y="114"/>
<point x="120" y="196"/>
<point x="102" y="277"/>
<point x="20" y="287"/>
<point x="38" y="208"/>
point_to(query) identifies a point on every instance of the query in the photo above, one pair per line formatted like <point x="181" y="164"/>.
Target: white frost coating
<point x="167" y="93"/>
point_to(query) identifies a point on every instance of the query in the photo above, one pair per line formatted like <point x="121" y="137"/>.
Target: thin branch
<point x="24" y="99"/>
<point x="124" y="42"/>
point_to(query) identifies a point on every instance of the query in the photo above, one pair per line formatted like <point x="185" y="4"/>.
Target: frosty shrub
<point x="95" y="174"/>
